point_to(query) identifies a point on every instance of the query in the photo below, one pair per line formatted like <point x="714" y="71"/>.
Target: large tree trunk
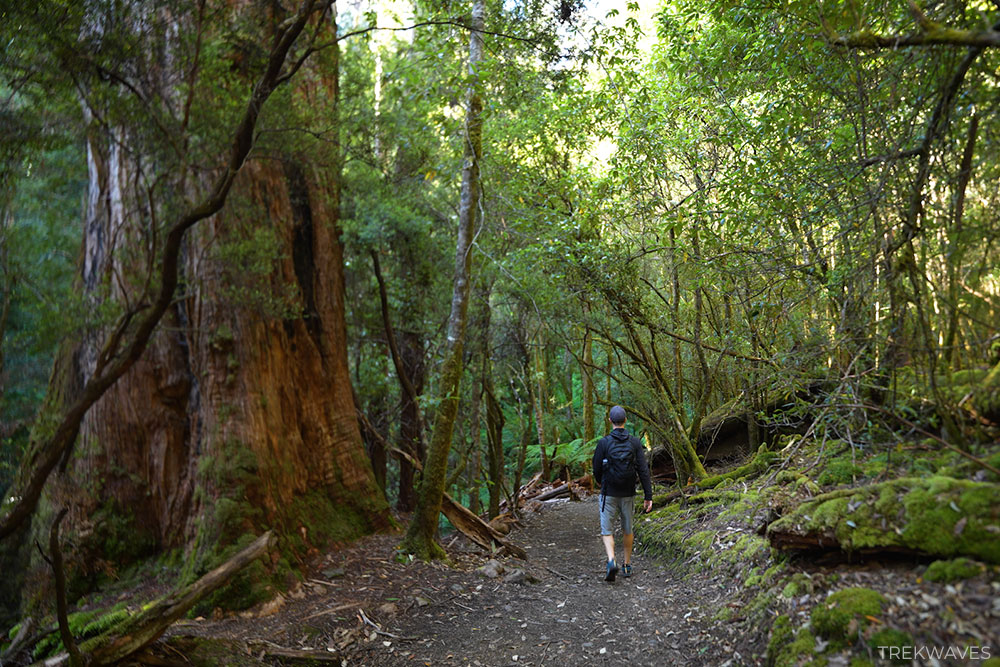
<point x="240" y="415"/>
<point x="423" y="526"/>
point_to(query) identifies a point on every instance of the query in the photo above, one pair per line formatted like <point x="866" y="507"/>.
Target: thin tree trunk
<point x="411" y="427"/>
<point x="473" y="477"/>
<point x="409" y="372"/>
<point x="494" y="443"/>
<point x="588" y="386"/>
<point x="422" y="530"/>
<point x="540" y="395"/>
<point x="954" y="257"/>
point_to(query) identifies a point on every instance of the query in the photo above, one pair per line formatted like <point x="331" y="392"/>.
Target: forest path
<point x="570" y="616"/>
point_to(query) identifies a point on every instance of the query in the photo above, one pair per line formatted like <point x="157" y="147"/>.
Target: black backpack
<point x="619" y="467"/>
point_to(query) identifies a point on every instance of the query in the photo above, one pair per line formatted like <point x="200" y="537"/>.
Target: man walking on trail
<point x="618" y="458"/>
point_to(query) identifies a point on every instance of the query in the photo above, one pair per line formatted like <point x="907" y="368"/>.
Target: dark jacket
<point x="600" y="453"/>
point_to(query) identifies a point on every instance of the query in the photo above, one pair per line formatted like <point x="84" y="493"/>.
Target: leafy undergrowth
<point x="885" y="556"/>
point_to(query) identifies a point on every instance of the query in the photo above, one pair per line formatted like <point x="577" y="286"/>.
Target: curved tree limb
<point x="938" y="36"/>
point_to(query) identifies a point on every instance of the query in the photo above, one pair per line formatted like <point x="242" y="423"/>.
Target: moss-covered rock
<point x="845" y="612"/>
<point x="947" y="571"/>
<point x="939" y="516"/>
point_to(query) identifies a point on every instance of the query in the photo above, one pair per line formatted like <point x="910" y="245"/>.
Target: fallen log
<point x="936" y="516"/>
<point x="478" y="530"/>
<point x="464" y="520"/>
<point x="148" y="626"/>
<point x="555" y="492"/>
<point x="264" y="649"/>
<point x="760" y="463"/>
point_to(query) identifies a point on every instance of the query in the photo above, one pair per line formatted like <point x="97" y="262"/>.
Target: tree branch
<point x="930" y="34"/>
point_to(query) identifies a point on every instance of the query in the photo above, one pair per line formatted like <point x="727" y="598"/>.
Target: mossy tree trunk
<point x="540" y="399"/>
<point x="421" y="533"/>
<point x="587" y="388"/>
<point x="239" y="415"/>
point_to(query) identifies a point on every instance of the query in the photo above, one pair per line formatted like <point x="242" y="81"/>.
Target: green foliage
<point x="84" y="626"/>
<point x="249" y="264"/>
<point x="575" y="455"/>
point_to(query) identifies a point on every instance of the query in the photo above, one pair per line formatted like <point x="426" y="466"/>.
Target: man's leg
<point x="628" y="534"/>
<point x="609" y="545"/>
<point x="608" y="508"/>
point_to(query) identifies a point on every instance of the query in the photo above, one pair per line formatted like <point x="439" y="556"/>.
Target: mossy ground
<point x="909" y="496"/>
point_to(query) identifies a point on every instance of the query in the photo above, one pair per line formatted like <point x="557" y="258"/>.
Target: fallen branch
<point x="266" y="649"/>
<point x="464" y="520"/>
<point x="148" y="626"/>
<point x="24" y="640"/>
<point x="378" y="628"/>
<point x="332" y="610"/>
<point x="555" y="492"/>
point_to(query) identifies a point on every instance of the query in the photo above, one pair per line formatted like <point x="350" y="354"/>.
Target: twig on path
<point x="380" y="631"/>
<point x="332" y="610"/>
<point x="320" y="581"/>
<point x="560" y="574"/>
<point x="464" y="607"/>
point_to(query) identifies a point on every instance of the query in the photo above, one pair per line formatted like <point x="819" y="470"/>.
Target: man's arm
<point x="647" y="485"/>
<point x="598" y="461"/>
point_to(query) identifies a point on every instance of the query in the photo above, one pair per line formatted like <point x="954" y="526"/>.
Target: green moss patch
<point x="843" y="614"/>
<point x="947" y="571"/>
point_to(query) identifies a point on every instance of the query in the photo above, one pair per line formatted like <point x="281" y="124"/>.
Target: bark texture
<point x="239" y="415"/>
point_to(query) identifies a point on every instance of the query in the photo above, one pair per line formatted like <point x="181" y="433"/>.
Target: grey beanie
<point x="617" y="415"/>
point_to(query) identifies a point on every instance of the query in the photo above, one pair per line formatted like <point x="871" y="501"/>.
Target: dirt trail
<point x="365" y="608"/>
<point x="570" y="615"/>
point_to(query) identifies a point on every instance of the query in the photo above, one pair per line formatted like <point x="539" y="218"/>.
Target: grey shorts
<point x="613" y="506"/>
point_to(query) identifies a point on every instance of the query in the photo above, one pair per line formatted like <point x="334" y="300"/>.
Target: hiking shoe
<point x="612" y="571"/>
<point x="626" y="570"/>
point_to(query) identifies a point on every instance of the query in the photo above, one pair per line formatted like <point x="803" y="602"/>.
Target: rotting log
<point x="938" y="516"/>
<point x="476" y="529"/>
<point x="152" y="623"/>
